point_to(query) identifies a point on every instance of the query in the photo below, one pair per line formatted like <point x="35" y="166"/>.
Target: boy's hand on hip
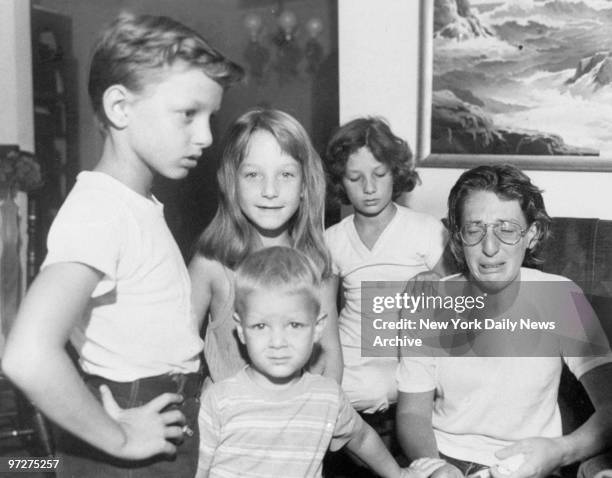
<point x="147" y="430"/>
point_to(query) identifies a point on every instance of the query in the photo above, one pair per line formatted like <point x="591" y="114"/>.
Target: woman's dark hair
<point x="507" y="182"/>
<point x="372" y="133"/>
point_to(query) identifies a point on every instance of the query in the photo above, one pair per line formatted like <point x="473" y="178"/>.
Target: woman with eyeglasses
<point x="489" y="409"/>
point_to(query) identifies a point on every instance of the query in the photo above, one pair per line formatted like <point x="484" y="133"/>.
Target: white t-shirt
<point x="140" y="321"/>
<point x="483" y="404"/>
<point x="412" y="242"/>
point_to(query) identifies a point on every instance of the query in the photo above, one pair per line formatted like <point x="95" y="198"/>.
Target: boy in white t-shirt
<point x="114" y="281"/>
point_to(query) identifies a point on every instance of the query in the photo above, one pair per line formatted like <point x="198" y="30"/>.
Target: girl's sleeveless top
<point x="224" y="354"/>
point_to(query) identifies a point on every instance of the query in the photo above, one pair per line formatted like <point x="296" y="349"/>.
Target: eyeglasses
<point x="508" y="232"/>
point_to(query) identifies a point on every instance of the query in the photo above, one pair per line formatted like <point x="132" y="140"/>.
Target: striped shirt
<point x="249" y="431"/>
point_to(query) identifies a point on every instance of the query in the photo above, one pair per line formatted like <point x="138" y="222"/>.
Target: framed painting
<point x="522" y="81"/>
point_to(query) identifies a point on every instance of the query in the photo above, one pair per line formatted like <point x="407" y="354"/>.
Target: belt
<point x="187" y="384"/>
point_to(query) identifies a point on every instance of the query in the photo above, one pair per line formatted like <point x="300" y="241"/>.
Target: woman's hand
<point x="423" y="283"/>
<point x="447" y="471"/>
<point x="542" y="457"/>
<point x="422" y="468"/>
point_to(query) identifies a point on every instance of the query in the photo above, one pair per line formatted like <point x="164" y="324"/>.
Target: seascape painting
<point x="522" y="77"/>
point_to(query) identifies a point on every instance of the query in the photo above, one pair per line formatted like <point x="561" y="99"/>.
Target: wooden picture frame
<point x="467" y="114"/>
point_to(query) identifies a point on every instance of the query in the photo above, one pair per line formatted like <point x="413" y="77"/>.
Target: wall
<point x="16" y="118"/>
<point x="379" y="46"/>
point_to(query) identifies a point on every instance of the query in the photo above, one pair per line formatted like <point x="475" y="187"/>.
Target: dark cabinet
<point x="55" y="123"/>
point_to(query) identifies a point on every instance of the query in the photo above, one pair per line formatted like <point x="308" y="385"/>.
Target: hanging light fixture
<point x="314" y="50"/>
<point x="285" y="44"/>
<point x="256" y="54"/>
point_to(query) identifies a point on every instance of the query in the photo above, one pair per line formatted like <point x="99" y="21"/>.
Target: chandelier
<point x="282" y="50"/>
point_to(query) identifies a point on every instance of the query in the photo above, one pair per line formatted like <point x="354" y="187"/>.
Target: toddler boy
<point x="273" y="418"/>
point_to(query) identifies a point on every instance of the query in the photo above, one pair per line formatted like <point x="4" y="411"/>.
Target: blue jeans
<point x="466" y="467"/>
<point x="80" y="460"/>
<point x="469" y="467"/>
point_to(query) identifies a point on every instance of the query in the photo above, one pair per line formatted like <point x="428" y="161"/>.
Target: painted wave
<point x="525" y="76"/>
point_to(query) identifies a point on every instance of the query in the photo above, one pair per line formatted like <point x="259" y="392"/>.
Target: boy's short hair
<point x="277" y="268"/>
<point x="374" y="134"/>
<point x="133" y="46"/>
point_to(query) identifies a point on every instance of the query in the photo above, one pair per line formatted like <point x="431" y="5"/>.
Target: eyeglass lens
<point x="507" y="232"/>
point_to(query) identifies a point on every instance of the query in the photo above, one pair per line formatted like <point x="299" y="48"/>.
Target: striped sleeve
<point x="209" y="423"/>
